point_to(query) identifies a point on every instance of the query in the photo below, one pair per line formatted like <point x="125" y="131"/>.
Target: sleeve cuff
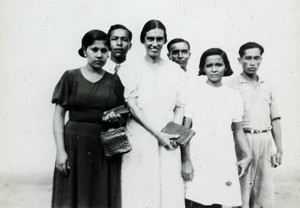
<point x="276" y="118"/>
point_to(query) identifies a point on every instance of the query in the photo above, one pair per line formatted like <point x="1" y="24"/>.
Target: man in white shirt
<point x="119" y="41"/>
<point x="179" y="52"/>
<point x="261" y="123"/>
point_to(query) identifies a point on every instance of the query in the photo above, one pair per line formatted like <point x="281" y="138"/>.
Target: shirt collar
<point x="243" y="80"/>
<point x="109" y="64"/>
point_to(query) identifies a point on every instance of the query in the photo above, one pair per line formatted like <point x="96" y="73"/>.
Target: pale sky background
<point x="39" y="41"/>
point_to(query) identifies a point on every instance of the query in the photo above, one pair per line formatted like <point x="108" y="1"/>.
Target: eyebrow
<point x="148" y="36"/>
<point x="119" y="36"/>
<point x="252" y="56"/>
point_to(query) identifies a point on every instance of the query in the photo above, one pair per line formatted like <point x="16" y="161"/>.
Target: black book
<point x="186" y="134"/>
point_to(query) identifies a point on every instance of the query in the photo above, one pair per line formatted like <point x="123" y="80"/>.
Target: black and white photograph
<point x="149" y="104"/>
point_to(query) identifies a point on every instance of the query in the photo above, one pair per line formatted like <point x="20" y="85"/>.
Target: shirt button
<point x="228" y="183"/>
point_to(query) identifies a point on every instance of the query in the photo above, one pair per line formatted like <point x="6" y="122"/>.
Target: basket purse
<point x="115" y="141"/>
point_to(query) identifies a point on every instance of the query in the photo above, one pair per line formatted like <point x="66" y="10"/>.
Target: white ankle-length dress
<point x="151" y="175"/>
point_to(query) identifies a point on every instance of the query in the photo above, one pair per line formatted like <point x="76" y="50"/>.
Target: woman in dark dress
<point x="83" y="177"/>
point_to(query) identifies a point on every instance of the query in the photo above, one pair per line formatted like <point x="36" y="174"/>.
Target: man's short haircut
<point x="250" y="45"/>
<point x="177" y="40"/>
<point x="119" y="26"/>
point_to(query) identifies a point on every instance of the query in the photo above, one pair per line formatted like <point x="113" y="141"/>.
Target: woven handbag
<point x="115" y="142"/>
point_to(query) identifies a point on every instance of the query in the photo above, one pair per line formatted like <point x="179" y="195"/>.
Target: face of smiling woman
<point x="214" y="68"/>
<point x="97" y="54"/>
<point x="154" y="41"/>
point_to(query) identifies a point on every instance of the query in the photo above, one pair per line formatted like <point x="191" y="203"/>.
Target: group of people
<point x="227" y="163"/>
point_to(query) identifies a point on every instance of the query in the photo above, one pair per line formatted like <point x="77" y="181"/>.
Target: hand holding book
<point x="185" y="133"/>
<point x="166" y="140"/>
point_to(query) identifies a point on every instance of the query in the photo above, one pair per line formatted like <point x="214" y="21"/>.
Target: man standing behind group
<point x="119" y="44"/>
<point x="179" y="52"/>
<point x="261" y="123"/>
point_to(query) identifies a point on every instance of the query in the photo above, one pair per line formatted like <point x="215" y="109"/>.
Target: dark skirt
<point x="93" y="179"/>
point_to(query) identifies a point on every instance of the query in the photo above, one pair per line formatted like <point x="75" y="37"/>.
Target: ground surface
<point x="14" y="195"/>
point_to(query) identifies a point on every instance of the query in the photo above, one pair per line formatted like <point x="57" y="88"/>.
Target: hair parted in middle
<point x="150" y="25"/>
<point x="211" y="52"/>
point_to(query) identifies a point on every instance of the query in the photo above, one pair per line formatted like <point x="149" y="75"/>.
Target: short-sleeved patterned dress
<point x="93" y="180"/>
<point x="212" y="149"/>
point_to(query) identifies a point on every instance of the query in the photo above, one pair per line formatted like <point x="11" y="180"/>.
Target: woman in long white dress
<point x="209" y="161"/>
<point x="154" y="91"/>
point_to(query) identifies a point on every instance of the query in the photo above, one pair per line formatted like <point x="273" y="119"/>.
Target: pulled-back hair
<point x="89" y="38"/>
<point x="150" y="25"/>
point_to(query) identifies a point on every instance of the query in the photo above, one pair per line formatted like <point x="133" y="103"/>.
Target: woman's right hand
<point x="165" y="140"/>
<point x="111" y="117"/>
<point x="61" y="162"/>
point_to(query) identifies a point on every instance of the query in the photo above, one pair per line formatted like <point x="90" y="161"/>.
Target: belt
<point x="88" y="116"/>
<point x="254" y="131"/>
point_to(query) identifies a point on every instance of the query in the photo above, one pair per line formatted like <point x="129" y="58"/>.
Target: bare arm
<point x="163" y="138"/>
<point x="186" y="150"/>
<point x="58" y="131"/>
<point x="276" y="132"/>
<point x="245" y="147"/>
<point x="178" y="115"/>
<point x="276" y="129"/>
<point x="187" y="170"/>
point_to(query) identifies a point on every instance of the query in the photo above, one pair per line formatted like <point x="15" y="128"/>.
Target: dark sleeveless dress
<point x="93" y="179"/>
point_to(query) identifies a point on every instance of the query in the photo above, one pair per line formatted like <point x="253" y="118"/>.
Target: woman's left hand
<point x="243" y="166"/>
<point x="111" y="117"/>
<point x="187" y="171"/>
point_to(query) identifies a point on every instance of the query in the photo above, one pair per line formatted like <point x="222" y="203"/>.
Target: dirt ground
<point x="39" y="195"/>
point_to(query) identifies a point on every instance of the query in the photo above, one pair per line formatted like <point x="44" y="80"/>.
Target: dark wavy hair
<point x="150" y="25"/>
<point x="248" y="46"/>
<point x="89" y="38"/>
<point x="211" y="52"/>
